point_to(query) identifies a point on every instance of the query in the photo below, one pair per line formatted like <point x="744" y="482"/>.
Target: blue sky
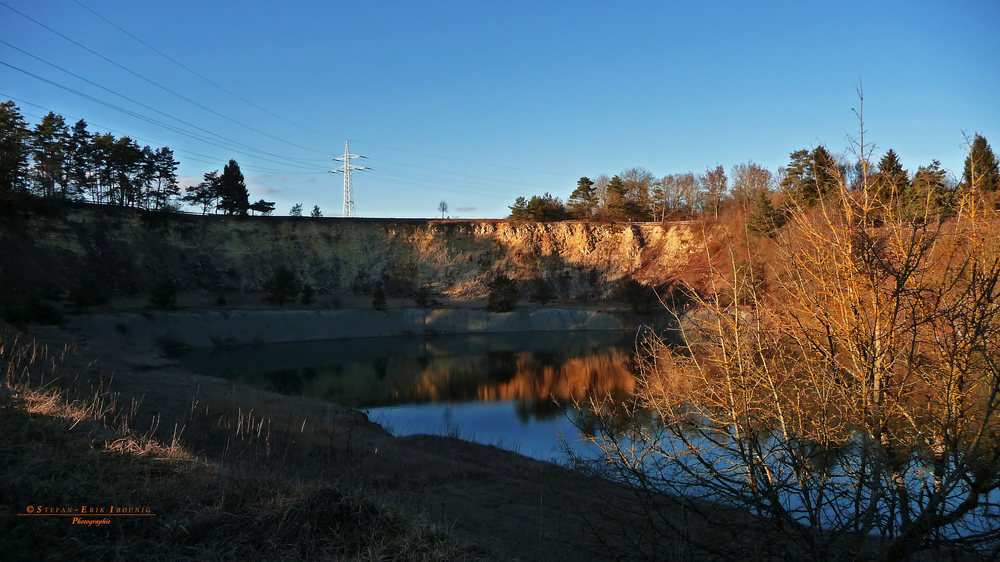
<point x="475" y="103"/>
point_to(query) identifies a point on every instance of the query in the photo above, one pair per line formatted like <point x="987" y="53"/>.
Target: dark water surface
<point x="515" y="389"/>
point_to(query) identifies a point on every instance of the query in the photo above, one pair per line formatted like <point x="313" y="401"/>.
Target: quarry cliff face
<point x="126" y="251"/>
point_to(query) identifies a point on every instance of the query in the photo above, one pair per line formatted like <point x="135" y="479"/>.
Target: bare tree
<point x="850" y="403"/>
<point x="749" y="180"/>
<point x="601" y="191"/>
<point x="688" y="197"/>
<point x="714" y="186"/>
<point x="637" y="183"/>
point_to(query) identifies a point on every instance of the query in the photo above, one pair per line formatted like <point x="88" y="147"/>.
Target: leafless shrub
<point x="849" y="405"/>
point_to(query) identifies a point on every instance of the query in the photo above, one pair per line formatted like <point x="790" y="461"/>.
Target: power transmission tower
<point x="346" y="170"/>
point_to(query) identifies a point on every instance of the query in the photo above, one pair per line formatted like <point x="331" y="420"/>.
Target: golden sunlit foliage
<point x="844" y="390"/>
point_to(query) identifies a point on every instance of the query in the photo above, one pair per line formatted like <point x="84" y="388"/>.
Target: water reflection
<point x="527" y="370"/>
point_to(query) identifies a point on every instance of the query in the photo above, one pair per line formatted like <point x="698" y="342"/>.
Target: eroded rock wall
<point x="126" y="251"/>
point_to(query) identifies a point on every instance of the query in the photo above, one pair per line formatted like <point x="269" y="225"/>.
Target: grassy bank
<point x="64" y="447"/>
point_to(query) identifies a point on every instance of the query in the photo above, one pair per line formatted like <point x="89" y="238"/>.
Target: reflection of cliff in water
<point x="530" y="368"/>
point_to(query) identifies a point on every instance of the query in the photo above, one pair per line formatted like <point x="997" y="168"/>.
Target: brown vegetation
<point x="60" y="450"/>
<point x="844" y="389"/>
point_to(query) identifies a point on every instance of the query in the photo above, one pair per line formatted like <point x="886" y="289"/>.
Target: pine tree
<point x="503" y="294"/>
<point x="928" y="194"/>
<point x="892" y="180"/>
<point x="282" y="287"/>
<point x="378" y="298"/>
<point x="165" y="175"/>
<point x="519" y="210"/>
<point x="583" y="200"/>
<point x="80" y="167"/>
<point x="14" y="149"/>
<point x="50" y="145"/>
<point x="617" y="201"/>
<point x="811" y="176"/>
<point x="234" y="197"/>
<point x="981" y="167"/>
<point x="265" y="208"/>
<point x="765" y="219"/>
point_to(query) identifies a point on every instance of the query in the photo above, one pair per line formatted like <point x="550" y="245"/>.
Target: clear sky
<point x="476" y="102"/>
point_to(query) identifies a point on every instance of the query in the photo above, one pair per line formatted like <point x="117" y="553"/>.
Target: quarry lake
<point x="515" y="390"/>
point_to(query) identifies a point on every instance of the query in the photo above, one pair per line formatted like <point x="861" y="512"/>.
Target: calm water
<point x="513" y="390"/>
<point x="496" y="389"/>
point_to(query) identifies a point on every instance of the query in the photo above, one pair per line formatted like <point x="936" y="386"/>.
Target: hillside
<point x="125" y="251"/>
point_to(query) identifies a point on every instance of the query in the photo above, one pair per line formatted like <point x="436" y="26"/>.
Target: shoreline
<point x="202" y="328"/>
<point x="459" y="485"/>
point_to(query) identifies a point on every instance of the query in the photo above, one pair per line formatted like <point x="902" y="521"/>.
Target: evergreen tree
<point x="765" y="219"/>
<point x="14" y="149"/>
<point x="583" y="200"/>
<point x="928" y="194"/>
<point x="265" y="208"/>
<point x="282" y="287"/>
<point x="125" y="167"/>
<point x="811" y="175"/>
<point x="165" y="175"/>
<point x="101" y="148"/>
<point x="316" y="212"/>
<point x="617" y="199"/>
<point x="234" y="199"/>
<point x="519" y="210"/>
<point x="204" y="194"/>
<point x="50" y="146"/>
<point x="546" y="208"/>
<point x="378" y="298"/>
<point x="503" y="294"/>
<point x="981" y="167"/>
<point x="296" y="210"/>
<point x="80" y="167"/>
<point x="892" y="180"/>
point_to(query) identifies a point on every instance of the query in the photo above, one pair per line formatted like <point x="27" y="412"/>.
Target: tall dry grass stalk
<point x="65" y="443"/>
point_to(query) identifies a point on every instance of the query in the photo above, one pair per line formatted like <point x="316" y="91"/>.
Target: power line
<point x="148" y="119"/>
<point x="153" y="109"/>
<point x="301" y="163"/>
<point x="446" y="189"/>
<point x="386" y="176"/>
<point x="154" y="83"/>
<point x="285" y="159"/>
<point x="191" y="156"/>
<point x="241" y="98"/>
<point x="206" y="79"/>
<point x="460" y="174"/>
<point x="465" y="161"/>
<point x="423" y="180"/>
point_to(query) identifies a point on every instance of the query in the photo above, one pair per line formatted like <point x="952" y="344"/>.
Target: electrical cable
<point x="237" y="96"/>
<point x="146" y="119"/>
<point x="153" y="109"/>
<point x="210" y="81"/>
<point x="154" y="83"/>
<point x="300" y="163"/>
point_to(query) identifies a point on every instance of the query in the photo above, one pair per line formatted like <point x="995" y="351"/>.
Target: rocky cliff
<point x="125" y="251"/>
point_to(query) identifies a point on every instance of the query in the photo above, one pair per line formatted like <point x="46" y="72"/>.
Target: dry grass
<point x="62" y="447"/>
